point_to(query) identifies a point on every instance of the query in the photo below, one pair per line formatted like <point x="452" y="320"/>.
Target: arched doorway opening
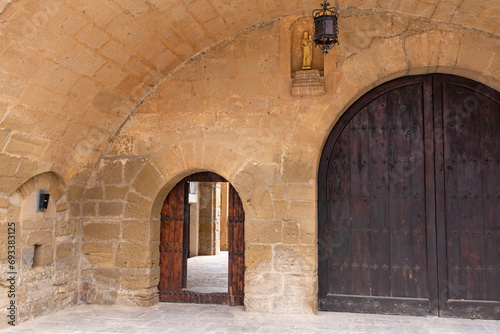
<point x="175" y="246"/>
<point x="409" y="212"/>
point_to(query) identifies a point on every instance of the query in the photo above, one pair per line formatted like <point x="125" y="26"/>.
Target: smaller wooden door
<point x="174" y="246"/>
<point x="236" y="248"/>
<point x="173" y="263"/>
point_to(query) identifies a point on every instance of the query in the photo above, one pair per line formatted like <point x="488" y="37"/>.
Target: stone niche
<point x="305" y="82"/>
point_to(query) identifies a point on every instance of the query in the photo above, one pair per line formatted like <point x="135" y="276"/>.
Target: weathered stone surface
<point x="129" y="255"/>
<point x="107" y="277"/>
<point x="263" y="283"/>
<point x="258" y="256"/>
<point x="257" y="303"/>
<point x="64" y="251"/>
<point x="94" y="193"/>
<point x="302" y="210"/>
<point x="300" y="285"/>
<point x="37" y="224"/>
<point x="110" y="209"/>
<point x="65" y="228"/>
<point x="298" y="259"/>
<point x="40" y="238"/>
<point x="101" y="231"/>
<point x="136" y="231"/>
<point x="291" y="305"/>
<point x="149" y="179"/>
<point x="110" y="173"/>
<point x="27" y="255"/>
<point x="115" y="193"/>
<point x="137" y="207"/>
<point x="89" y="209"/>
<point x="264" y="232"/>
<point x="291" y="233"/>
<point x="136" y="281"/>
<point x="101" y="254"/>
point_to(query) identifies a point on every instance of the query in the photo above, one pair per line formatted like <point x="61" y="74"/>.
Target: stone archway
<point x="174" y="246"/>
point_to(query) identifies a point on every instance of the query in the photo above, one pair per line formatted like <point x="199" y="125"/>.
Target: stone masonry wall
<point x="73" y="73"/>
<point x="46" y="248"/>
<point x="230" y="111"/>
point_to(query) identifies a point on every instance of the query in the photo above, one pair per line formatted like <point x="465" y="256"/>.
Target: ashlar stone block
<point x="101" y="231"/>
<point x="131" y="255"/>
<point x="297" y="259"/>
<point x="100" y="254"/>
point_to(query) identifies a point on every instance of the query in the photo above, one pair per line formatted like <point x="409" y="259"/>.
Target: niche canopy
<point x="326" y="28"/>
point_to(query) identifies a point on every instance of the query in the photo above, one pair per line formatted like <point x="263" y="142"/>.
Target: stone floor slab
<point x="194" y="318"/>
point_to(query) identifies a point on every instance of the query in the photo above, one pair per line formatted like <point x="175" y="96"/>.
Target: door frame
<point x="235" y="293"/>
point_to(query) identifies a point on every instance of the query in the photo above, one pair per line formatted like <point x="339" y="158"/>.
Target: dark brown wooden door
<point x="382" y="184"/>
<point x="236" y="248"/>
<point x="172" y="260"/>
<point x="468" y="154"/>
<point x="174" y="245"/>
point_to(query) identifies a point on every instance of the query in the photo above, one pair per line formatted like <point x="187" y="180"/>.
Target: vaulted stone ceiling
<point x="73" y="71"/>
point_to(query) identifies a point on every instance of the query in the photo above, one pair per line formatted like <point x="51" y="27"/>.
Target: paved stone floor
<point x="208" y="273"/>
<point x="196" y="318"/>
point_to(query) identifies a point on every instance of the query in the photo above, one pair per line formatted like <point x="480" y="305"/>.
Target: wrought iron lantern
<point x="326" y="28"/>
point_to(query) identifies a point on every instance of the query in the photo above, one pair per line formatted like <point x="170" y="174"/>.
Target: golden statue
<point x="307" y="51"/>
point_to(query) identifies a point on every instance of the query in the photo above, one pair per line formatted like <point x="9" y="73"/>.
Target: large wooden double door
<point x="409" y="201"/>
<point x="174" y="247"/>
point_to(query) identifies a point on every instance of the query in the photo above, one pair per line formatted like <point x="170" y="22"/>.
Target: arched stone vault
<point x="72" y="72"/>
<point x="223" y="112"/>
<point x="123" y="117"/>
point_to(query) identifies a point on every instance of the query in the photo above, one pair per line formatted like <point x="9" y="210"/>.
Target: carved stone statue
<point x="307" y="51"/>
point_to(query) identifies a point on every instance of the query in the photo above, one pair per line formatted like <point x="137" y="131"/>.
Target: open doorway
<point x="202" y="247"/>
<point x="208" y="261"/>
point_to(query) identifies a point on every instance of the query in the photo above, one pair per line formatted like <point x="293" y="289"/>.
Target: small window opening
<point x="37" y="254"/>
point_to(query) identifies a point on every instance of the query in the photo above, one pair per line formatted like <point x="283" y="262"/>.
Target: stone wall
<point x="229" y="110"/>
<point x="209" y="222"/>
<point x="46" y="249"/>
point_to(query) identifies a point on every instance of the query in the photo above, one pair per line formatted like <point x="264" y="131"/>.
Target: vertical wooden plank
<point x="241" y="250"/>
<point x="171" y="241"/>
<point x="490" y="153"/>
<point x="440" y="138"/>
<point x="232" y="264"/>
<point x="337" y="251"/>
<point x="379" y="240"/>
<point x="360" y="241"/>
<point x="471" y="238"/>
<point x="178" y="214"/>
<point x="236" y="244"/>
<point x="399" y="199"/>
<point x="417" y="273"/>
<point x="185" y="233"/>
<point x="452" y="144"/>
<point x="429" y="238"/>
<point x="162" y="281"/>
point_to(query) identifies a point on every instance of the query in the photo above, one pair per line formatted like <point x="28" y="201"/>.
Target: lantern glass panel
<point x="320" y="30"/>
<point x="329" y="26"/>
